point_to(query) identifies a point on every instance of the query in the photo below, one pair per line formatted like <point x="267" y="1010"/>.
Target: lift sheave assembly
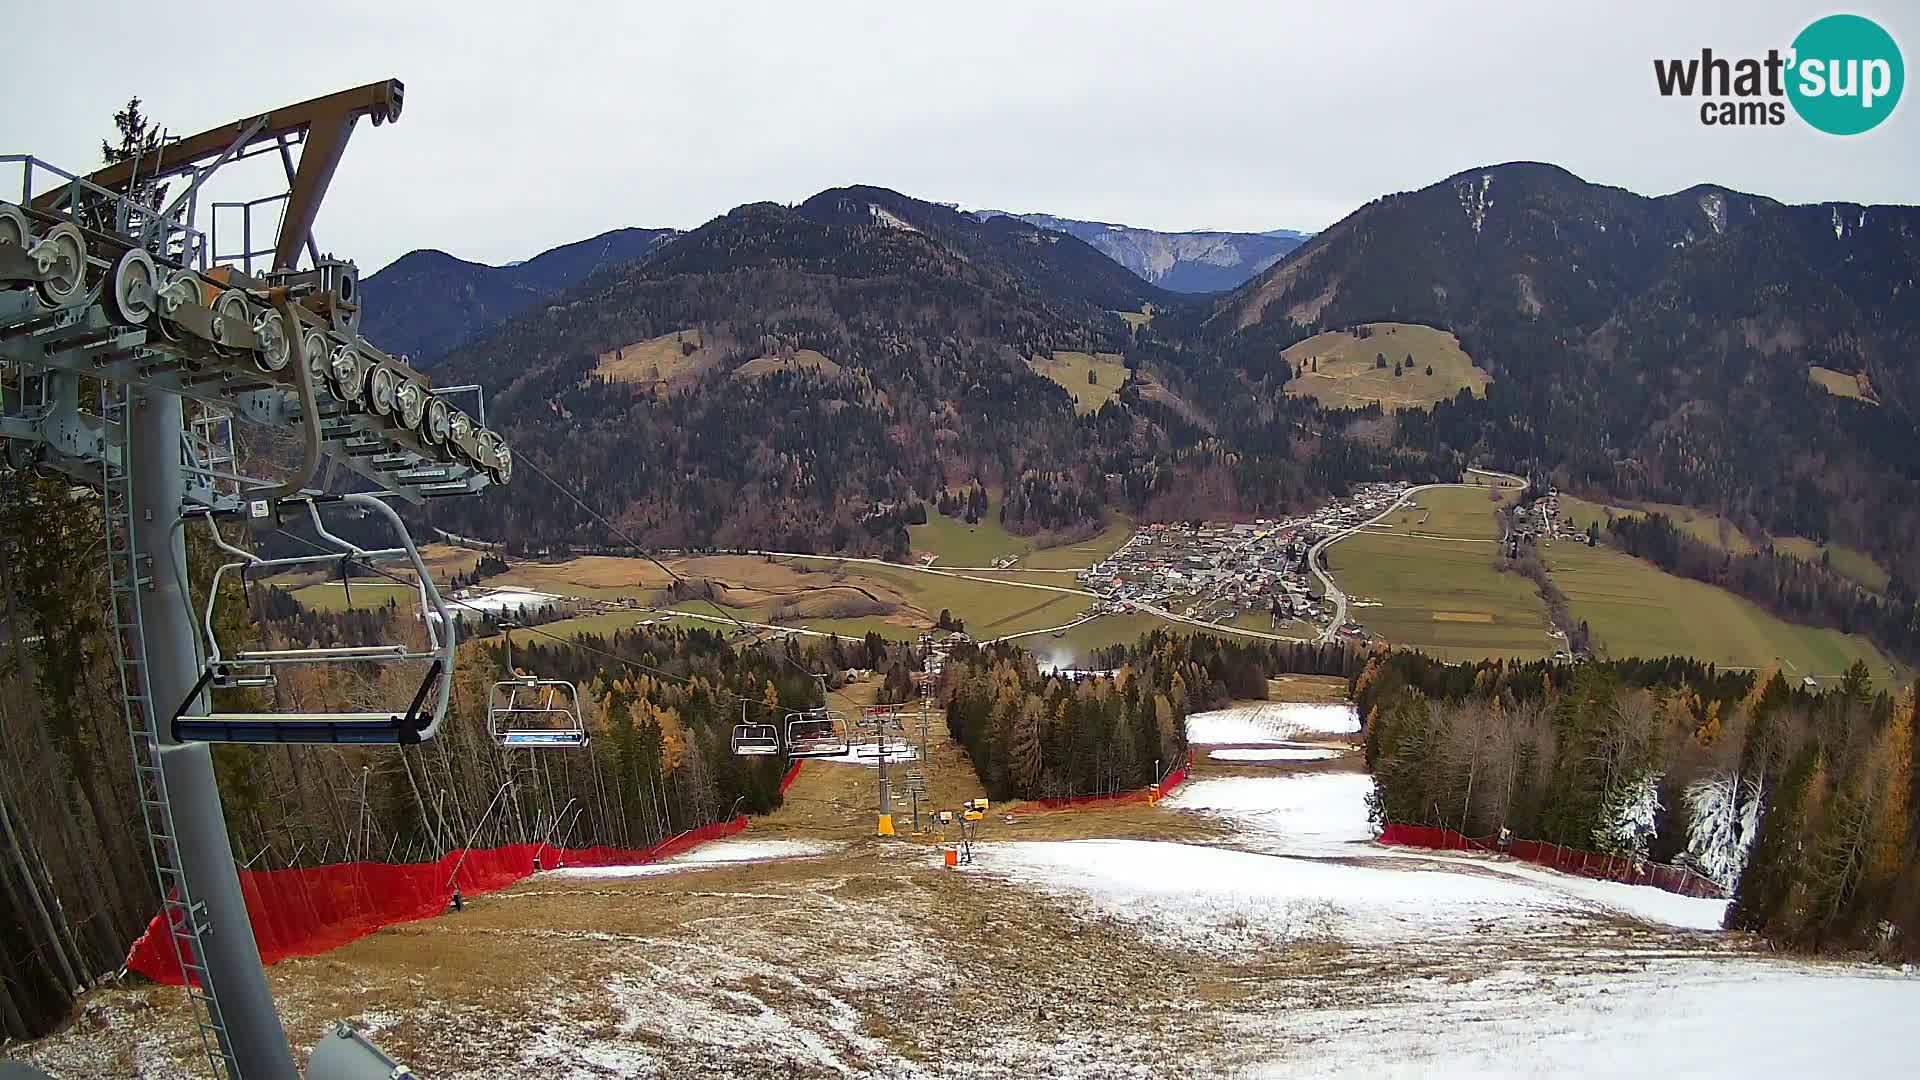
<point x="134" y="340"/>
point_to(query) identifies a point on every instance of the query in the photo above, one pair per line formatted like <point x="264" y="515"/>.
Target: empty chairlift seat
<point x="816" y="733"/>
<point x="196" y="720"/>
<point x="756" y="740"/>
<point x="529" y="712"/>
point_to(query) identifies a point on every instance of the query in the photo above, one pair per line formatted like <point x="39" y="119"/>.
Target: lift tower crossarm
<point x="324" y="123"/>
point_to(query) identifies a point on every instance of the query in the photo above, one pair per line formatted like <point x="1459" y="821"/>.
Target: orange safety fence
<point x="312" y="910"/>
<point x="793" y="773"/>
<point x="1592" y="864"/>
<point x="1113" y="798"/>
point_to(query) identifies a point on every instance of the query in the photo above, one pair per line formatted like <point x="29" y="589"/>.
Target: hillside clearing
<point x="1070" y="370"/>
<point x="1344" y="370"/>
<point x="1848" y="562"/>
<point x="658" y="362"/>
<point x="798" y="360"/>
<point x="955" y="542"/>
<point x="1702" y="525"/>
<point x="1840" y="384"/>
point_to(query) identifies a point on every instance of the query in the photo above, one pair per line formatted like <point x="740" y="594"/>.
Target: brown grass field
<point x="1348" y="375"/>
<point x="1841" y="384"/>
<point x="658" y="362"/>
<point x="802" y="359"/>
<point x="1069" y="369"/>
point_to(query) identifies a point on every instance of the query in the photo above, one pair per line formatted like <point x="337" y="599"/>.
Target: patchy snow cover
<point x="1643" y="902"/>
<point x="1270" y="723"/>
<point x="1275" y="753"/>
<point x="505" y="598"/>
<point x="1675" y="1018"/>
<point x="899" y="752"/>
<point x="1303" y="814"/>
<point x="727" y="852"/>
<point x="1324" y="815"/>
<point x="1217" y="899"/>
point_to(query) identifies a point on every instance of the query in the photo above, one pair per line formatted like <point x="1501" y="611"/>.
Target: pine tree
<point x="1024" y="758"/>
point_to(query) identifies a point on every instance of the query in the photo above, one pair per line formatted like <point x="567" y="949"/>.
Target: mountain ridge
<point x="1192" y="261"/>
<point x="428" y="301"/>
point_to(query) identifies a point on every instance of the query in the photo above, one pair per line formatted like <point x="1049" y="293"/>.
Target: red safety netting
<point x="793" y="773"/>
<point x="1673" y="879"/>
<point x="309" y="911"/>
<point x="1113" y="798"/>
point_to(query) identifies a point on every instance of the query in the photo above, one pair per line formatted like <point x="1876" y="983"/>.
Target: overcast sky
<point x="534" y="124"/>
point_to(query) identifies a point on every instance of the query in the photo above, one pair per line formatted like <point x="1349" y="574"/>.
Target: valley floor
<point x="1247" y="926"/>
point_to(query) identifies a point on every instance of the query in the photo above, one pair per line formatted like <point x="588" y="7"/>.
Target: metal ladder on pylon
<point x="186" y="919"/>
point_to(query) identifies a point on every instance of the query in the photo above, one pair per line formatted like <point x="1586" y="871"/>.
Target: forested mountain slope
<point x="826" y="369"/>
<point x="427" y="302"/>
<point x="1654" y="348"/>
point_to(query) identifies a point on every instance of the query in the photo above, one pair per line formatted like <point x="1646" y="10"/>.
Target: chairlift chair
<point x="816" y="733"/>
<point x="196" y="721"/>
<point x="754" y="740"/>
<point x="529" y="712"/>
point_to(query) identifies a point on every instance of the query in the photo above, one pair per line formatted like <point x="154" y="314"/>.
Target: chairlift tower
<point x="116" y="312"/>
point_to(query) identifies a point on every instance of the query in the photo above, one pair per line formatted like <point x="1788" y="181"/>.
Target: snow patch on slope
<point x="883" y="216"/>
<point x="1275" y="753"/>
<point x="1270" y="723"/>
<point x="1221" y="900"/>
<point x="728" y="852"/>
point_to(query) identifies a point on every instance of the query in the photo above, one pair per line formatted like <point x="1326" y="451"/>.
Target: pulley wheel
<point x="410" y="404"/>
<point x="381" y="384"/>
<point x="136" y="287"/>
<point x="13" y="227"/>
<point x="436" y="422"/>
<point x="183" y="288"/>
<point x="275" y="348"/>
<point x="62" y="258"/>
<point x="229" y="307"/>
<point x="346" y="374"/>
<point x="314" y="344"/>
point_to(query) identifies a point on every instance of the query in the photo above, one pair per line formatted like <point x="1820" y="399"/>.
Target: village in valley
<point x="1253" y="575"/>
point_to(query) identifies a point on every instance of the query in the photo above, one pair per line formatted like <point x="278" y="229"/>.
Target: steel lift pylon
<point x="117" y="315"/>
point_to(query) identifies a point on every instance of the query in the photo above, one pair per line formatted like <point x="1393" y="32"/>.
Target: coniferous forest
<point x="1801" y="804"/>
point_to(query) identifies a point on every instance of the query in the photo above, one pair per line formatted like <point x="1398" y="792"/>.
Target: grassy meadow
<point x="1069" y="369"/>
<point x="1343" y="372"/>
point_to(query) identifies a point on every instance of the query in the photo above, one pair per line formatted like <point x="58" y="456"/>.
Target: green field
<point x="1636" y="609"/>
<point x="988" y="610"/>
<point x="1457" y="512"/>
<point x="1137" y="319"/>
<point x="361" y="595"/>
<point x="1076" y="646"/>
<point x="1444" y="598"/>
<point x="1070" y="369"/>
<point x="1702" y="525"/>
<point x="1850" y="562"/>
<point x="1343" y="369"/>
<point x="960" y="544"/>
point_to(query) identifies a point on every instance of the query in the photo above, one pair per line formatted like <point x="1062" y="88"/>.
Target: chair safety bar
<point x="413" y="726"/>
<point x="552" y="720"/>
<point x="752" y="740"/>
<point x="254" y="667"/>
